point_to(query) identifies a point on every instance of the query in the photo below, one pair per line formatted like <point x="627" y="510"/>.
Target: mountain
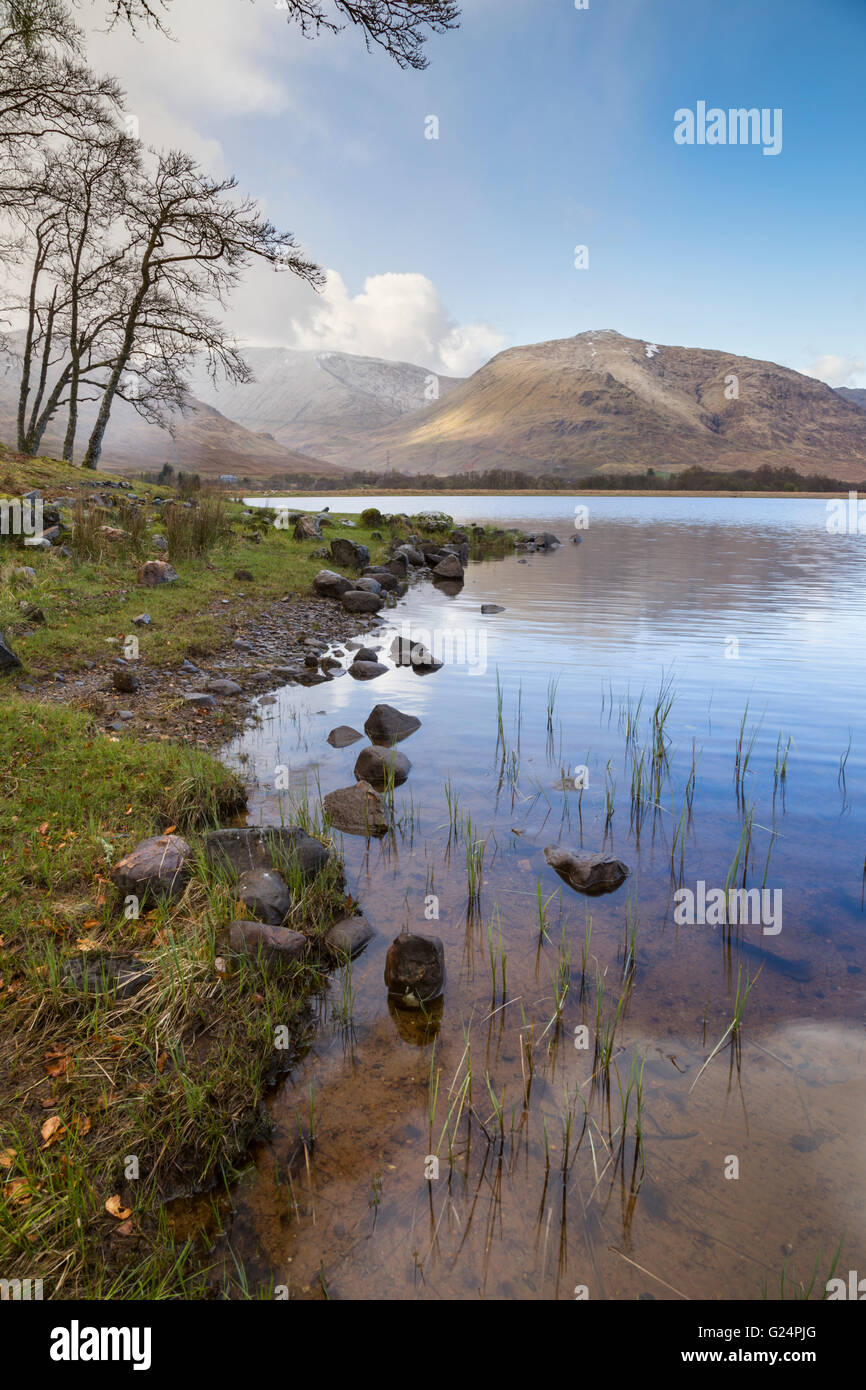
<point x="323" y="403"/>
<point x="204" y="441"/>
<point x="856" y="394"/>
<point x="603" y="401"/>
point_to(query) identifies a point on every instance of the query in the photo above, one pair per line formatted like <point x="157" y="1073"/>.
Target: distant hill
<point x="603" y="401"/>
<point x="204" y="441"/>
<point x="323" y="403"/>
<point x="855" y="394"/>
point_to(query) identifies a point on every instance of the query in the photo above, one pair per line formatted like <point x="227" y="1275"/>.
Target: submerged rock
<point x="492" y="608"/>
<point x="587" y="872"/>
<point x="449" y="568"/>
<point x="387" y="725"/>
<point x="415" y="970"/>
<point x="158" y="868"/>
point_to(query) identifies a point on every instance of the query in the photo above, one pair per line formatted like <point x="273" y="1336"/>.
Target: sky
<point x="555" y="131"/>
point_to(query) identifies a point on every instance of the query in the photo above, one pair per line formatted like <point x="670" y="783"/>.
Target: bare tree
<point x="191" y="239"/>
<point x="400" y="27"/>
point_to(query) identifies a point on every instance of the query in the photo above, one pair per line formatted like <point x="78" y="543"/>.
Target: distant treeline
<point x="764" y="479"/>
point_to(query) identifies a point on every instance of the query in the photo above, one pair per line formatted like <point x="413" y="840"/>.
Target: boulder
<point x="433" y="521"/>
<point x="379" y="765"/>
<point x="343" y="735"/>
<point x="222" y="687"/>
<point x="347" y="552"/>
<point x="546" y="541"/>
<point x="357" y="810"/>
<point x="266" y="847"/>
<point x="587" y="872"/>
<point x="275" y="945"/>
<point x="366" y="654"/>
<point x="156" y="868"/>
<point x="347" y="938"/>
<point x="387" y="725"/>
<point x="492" y="608"/>
<point x="329" y="584"/>
<point x="97" y="973"/>
<point x="265" y="895"/>
<point x="199" y="700"/>
<point x="307" y="529"/>
<point x="125" y="682"/>
<point x="154" y="572"/>
<point x="8" y="659"/>
<point x="369" y="585"/>
<point x="407" y="652"/>
<point x="398" y="565"/>
<point x="159" y="543"/>
<point x="415" y="970"/>
<point x="367" y="670"/>
<point x="449" y="568"/>
<point x="358" y="601"/>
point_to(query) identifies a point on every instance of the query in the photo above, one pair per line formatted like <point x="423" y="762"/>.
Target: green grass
<point x="172" y="1075"/>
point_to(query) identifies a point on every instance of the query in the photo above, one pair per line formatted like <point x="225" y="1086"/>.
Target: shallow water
<point x="732" y="606"/>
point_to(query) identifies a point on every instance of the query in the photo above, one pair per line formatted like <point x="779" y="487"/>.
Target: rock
<point x="343" y="735"/>
<point x="347" y="552"/>
<point x="279" y="847"/>
<point x="198" y="700"/>
<point x="311" y="659"/>
<point x="159" y="543"/>
<point x="587" y="872"/>
<point x="244" y="576"/>
<point x="369" y="585"/>
<point x="125" y="682"/>
<point x="357" y="810"/>
<point x="546" y="541"/>
<point x="97" y="973"/>
<point x="108" y="533"/>
<point x="378" y="765"/>
<point x="265" y="895"/>
<point x="576" y="540"/>
<point x="24" y="574"/>
<point x="143" y="620"/>
<point x="222" y="687"/>
<point x="415" y="969"/>
<point x="307" y="529"/>
<point x="154" y="572"/>
<point x="386" y="725"/>
<point x="492" y="608"/>
<point x="156" y="868"/>
<point x="367" y="670"/>
<point x="398" y="565"/>
<point x="406" y="652"/>
<point x="8" y="659"/>
<point x="274" y="944"/>
<point x="347" y="938"/>
<point x="329" y="584"/>
<point x="449" y="568"/>
<point x="433" y="521"/>
<point x="358" y="601"/>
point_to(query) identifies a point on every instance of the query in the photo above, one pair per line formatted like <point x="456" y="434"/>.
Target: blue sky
<point x="556" y="129"/>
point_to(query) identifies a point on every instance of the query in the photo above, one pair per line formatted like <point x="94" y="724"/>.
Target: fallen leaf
<point x="91" y="923"/>
<point x="7" y="1158"/>
<point x="59" y="1067"/>
<point x="43" y="829"/>
<point x="126" y="1229"/>
<point x="52" y="1130"/>
<point x="115" y="1207"/>
<point x="86" y="943"/>
<point x="169" y="829"/>
<point x="48" y="1103"/>
<point x="20" y="1191"/>
<point x="82" y="1124"/>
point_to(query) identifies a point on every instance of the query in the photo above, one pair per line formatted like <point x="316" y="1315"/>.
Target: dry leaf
<point x="115" y="1207"/>
<point x="52" y="1130"/>
<point x="43" y="829"/>
<point x="169" y="830"/>
<point x="126" y="1229"/>
<point x="20" y="1190"/>
<point x="86" y="943"/>
<point x="7" y="1158"/>
<point x="48" y="1103"/>
<point x="59" y="1067"/>
<point x="82" y="1124"/>
<point x="91" y="923"/>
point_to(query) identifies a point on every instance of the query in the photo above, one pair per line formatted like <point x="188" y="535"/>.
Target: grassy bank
<point x="109" y="1105"/>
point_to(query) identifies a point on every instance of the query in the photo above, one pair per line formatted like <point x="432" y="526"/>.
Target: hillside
<point x="323" y="403"/>
<point x="603" y="401"/>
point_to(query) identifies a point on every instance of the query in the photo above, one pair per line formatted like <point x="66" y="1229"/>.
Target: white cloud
<point x="838" y="371"/>
<point x="398" y="316"/>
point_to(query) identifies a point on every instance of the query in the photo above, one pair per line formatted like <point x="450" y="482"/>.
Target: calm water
<point x="750" y="616"/>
